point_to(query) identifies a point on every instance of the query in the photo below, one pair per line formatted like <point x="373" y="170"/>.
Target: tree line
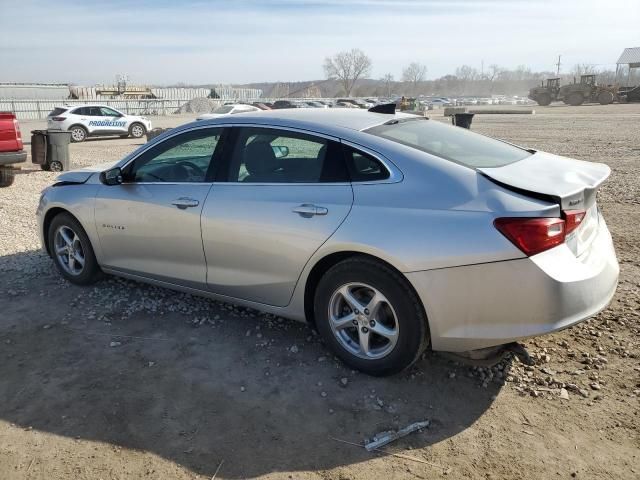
<point x="350" y="71"/>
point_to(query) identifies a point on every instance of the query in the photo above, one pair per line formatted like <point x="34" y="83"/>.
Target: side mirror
<point x="112" y="176"/>
<point x="280" y="151"/>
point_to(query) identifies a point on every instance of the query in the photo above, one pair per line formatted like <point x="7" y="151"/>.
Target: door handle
<point x="185" y="202"/>
<point x="308" y="210"/>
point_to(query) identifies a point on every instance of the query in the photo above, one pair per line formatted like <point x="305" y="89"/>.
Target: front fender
<point x="79" y="201"/>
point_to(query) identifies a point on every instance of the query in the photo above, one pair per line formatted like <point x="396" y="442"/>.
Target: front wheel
<point x="72" y="251"/>
<point x="370" y="317"/>
<point x="605" y="98"/>
<point x="137" y="130"/>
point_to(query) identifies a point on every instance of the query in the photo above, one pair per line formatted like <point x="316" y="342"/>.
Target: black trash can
<point x="462" y="119"/>
<point x="39" y="148"/>
<point x="58" y="150"/>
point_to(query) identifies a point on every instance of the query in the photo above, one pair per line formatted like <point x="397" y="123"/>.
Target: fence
<point x="39" y="109"/>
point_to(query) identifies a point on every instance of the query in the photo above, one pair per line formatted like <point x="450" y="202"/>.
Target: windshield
<point x="456" y="144"/>
<point x="223" y="109"/>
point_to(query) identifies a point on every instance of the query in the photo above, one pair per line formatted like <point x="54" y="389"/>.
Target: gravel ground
<point x="125" y="380"/>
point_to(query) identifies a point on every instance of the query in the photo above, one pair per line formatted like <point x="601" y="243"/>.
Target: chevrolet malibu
<point x="389" y="233"/>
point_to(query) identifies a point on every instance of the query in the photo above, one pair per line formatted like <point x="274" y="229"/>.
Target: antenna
<point x="558" y="65"/>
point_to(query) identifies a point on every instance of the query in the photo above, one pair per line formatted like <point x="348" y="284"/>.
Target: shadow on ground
<point x="199" y="395"/>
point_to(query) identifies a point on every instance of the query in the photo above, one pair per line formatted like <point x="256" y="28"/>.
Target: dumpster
<point x="50" y="149"/>
<point x="462" y="119"/>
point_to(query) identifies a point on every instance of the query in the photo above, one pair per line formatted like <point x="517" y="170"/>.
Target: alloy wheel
<point x="69" y="250"/>
<point x="77" y="134"/>
<point x="363" y="321"/>
<point x="137" y="131"/>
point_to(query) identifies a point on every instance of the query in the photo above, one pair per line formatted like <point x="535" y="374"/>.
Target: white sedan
<point x="228" y="110"/>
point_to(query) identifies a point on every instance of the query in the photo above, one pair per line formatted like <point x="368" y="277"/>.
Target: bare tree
<point x="347" y="67"/>
<point x="583" y="69"/>
<point x="414" y="74"/>
<point x="388" y="80"/>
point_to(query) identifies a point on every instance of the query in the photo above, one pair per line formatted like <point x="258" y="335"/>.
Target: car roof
<point x="323" y="119"/>
<point x="76" y="105"/>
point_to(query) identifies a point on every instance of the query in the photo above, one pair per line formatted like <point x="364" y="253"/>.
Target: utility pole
<point x="558" y="65"/>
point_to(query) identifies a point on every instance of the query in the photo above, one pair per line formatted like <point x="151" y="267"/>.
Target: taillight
<point x="573" y="219"/>
<point x="58" y="119"/>
<point x="535" y="235"/>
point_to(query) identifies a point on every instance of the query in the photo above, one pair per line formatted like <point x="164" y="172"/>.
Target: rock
<point x="293" y="349"/>
<point x="452" y="374"/>
<point x="595" y="386"/>
<point x="323" y="394"/>
<point x="242" y="389"/>
<point x="151" y="364"/>
<point x="564" y="395"/>
<point x="115" y="344"/>
<point x="344" y="381"/>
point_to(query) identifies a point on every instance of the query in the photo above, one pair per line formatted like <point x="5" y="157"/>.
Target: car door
<point x="92" y="119"/>
<point x="285" y="193"/>
<point x="113" y="120"/>
<point x="150" y="224"/>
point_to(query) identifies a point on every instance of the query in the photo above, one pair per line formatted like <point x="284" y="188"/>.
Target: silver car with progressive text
<point x="389" y="233"/>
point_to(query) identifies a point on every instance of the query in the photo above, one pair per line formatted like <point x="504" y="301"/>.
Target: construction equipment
<point x="545" y="94"/>
<point x="588" y="91"/>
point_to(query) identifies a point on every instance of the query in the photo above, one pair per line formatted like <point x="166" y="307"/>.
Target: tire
<point x="575" y="99"/>
<point x="399" y="316"/>
<point x="544" y="99"/>
<point x="7" y="176"/>
<point x="78" y="134"/>
<point x="45" y="167"/>
<point x="77" y="239"/>
<point x="605" y="98"/>
<point x="137" y="130"/>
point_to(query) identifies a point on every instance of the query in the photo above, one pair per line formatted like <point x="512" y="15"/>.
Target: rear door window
<point x="456" y="144"/>
<point x="268" y="155"/>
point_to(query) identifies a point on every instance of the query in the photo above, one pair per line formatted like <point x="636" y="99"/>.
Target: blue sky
<point x="243" y="41"/>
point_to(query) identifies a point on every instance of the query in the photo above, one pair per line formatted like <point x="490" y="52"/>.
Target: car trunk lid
<point x="571" y="183"/>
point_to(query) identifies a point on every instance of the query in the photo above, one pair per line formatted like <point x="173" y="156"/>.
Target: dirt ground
<point x="124" y="380"/>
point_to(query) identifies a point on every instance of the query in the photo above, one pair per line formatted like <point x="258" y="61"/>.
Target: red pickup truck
<point x="11" y="148"/>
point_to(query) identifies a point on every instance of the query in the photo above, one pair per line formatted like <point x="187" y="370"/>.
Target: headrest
<point x="259" y="158"/>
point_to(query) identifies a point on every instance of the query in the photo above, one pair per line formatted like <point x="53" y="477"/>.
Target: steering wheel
<point x="196" y="171"/>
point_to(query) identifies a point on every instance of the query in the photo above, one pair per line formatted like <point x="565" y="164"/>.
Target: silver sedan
<point x="389" y="233"/>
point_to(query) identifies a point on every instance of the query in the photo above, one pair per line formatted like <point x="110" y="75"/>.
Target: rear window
<point x="57" y="111"/>
<point x="456" y="144"/>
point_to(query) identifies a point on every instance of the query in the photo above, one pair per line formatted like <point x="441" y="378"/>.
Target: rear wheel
<point x="78" y="134"/>
<point x="72" y="251"/>
<point x="605" y="98"/>
<point x="544" y="99"/>
<point x="137" y="130"/>
<point x="575" y="99"/>
<point x="7" y="176"/>
<point x="370" y="317"/>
